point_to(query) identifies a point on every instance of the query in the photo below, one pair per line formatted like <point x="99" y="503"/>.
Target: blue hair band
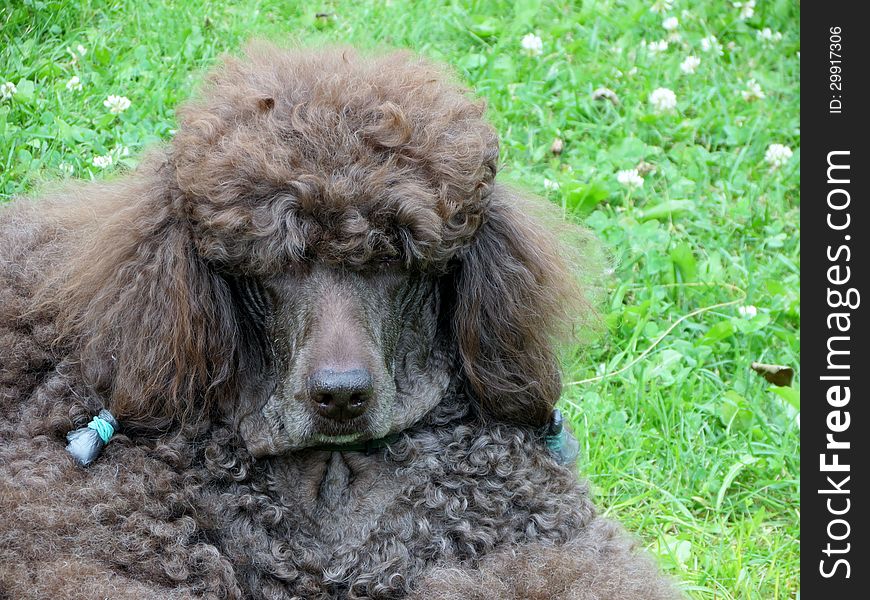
<point x="103" y="427"/>
<point x="87" y="443"/>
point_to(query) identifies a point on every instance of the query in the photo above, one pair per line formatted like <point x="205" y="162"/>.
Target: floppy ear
<point x="515" y="297"/>
<point x="151" y="322"/>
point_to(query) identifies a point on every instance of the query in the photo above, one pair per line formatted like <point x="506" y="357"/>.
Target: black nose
<point x="341" y="395"/>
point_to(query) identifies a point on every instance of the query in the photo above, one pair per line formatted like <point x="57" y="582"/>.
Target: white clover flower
<point x="671" y="23"/>
<point x="81" y="50"/>
<point x="768" y="36"/>
<point x="777" y="155"/>
<point x="655" y="47"/>
<point x="689" y="64"/>
<point x="663" y="100"/>
<point x="630" y="178"/>
<point x="753" y="91"/>
<point x="7" y="90"/>
<point x="748" y="311"/>
<point x="532" y="44"/>
<point x="74" y="84"/>
<point x="660" y="6"/>
<point x="551" y="186"/>
<point x="66" y="168"/>
<point x="117" y="104"/>
<point x="711" y="44"/>
<point x="747" y="9"/>
<point x="103" y="162"/>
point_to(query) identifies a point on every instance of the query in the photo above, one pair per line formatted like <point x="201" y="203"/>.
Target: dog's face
<point x="351" y="354"/>
<point x="323" y="255"/>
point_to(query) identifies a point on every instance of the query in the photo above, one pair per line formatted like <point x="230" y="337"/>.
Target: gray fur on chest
<point x="339" y="494"/>
<point x="345" y="525"/>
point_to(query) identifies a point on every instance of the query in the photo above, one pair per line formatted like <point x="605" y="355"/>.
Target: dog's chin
<point x="326" y="431"/>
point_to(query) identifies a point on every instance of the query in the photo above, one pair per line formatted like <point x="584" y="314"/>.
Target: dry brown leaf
<point x="778" y="375"/>
<point x="644" y="168"/>
<point x="604" y="93"/>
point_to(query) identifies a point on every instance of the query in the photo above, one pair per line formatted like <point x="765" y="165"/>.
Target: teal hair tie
<point x="103" y="427"/>
<point x="86" y="443"/>
<point x="563" y="446"/>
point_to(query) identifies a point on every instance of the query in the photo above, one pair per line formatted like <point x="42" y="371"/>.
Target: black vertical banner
<point x="835" y="346"/>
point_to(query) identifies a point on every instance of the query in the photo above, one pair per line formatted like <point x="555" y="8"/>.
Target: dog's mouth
<point x="337" y="439"/>
<point x="275" y="431"/>
<point x="333" y="432"/>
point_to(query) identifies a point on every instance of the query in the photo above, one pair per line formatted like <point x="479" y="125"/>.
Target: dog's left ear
<point x="515" y="297"/>
<point x="152" y="324"/>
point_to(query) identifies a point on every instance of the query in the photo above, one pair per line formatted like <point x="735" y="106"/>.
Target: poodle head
<point x="330" y="257"/>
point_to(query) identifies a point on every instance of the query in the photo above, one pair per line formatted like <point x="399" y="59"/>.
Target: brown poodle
<point x="325" y="337"/>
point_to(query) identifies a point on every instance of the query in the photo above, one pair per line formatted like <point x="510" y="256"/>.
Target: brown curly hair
<point x="293" y="155"/>
<point x="315" y="208"/>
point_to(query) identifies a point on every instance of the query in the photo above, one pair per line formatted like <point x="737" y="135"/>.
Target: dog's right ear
<point x="516" y="295"/>
<point x="151" y="322"/>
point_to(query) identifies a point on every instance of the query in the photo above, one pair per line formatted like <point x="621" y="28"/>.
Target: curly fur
<point x="315" y="168"/>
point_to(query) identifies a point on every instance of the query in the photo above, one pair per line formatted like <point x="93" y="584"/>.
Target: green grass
<point x="688" y="447"/>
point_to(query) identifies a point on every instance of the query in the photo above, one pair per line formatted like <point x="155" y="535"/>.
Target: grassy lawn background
<point x="688" y="447"/>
